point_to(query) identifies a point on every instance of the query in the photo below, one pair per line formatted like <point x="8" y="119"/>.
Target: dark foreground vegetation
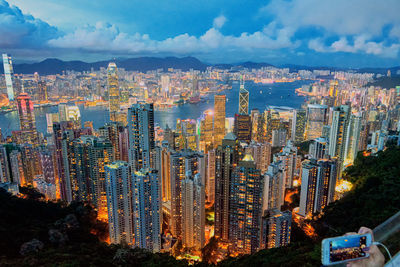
<point x="38" y="233"/>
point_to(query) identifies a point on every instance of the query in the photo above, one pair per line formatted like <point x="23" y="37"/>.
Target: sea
<point x="261" y="96"/>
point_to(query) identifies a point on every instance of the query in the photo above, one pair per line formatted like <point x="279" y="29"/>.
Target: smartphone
<point x="342" y="249"/>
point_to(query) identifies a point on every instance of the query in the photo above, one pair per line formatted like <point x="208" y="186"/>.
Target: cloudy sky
<point x="355" y="33"/>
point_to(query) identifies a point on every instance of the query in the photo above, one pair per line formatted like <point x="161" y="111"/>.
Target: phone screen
<point x="347" y="248"/>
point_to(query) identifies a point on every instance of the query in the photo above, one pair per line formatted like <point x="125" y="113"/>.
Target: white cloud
<point x="361" y="20"/>
<point x="219" y="22"/>
<point x="107" y="37"/>
<point x="317" y="45"/>
<point x="342" y="17"/>
<point x="359" y="45"/>
<point x="19" y="30"/>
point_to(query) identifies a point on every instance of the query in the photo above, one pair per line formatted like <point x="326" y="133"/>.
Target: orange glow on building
<point x="343" y="186"/>
<point x="288" y="195"/>
<point x="102" y="215"/>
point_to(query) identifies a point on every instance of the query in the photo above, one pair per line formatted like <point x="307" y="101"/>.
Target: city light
<point x="174" y="142"/>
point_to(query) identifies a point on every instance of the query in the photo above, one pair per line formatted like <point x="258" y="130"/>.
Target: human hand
<point x="375" y="259"/>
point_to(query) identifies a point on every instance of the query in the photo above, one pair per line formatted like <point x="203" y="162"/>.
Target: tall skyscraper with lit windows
<point x="27" y="120"/>
<point x="243" y="99"/>
<point x="227" y="157"/>
<point x="147" y="209"/>
<point x="181" y="163"/>
<point x="165" y="85"/>
<point x="353" y="138"/>
<point x="206" y="131"/>
<point x="141" y="136"/>
<point x="100" y="155"/>
<point x="219" y="118"/>
<point x="119" y="202"/>
<point x="9" y="76"/>
<point x="193" y="211"/>
<point x="242" y="127"/>
<point x="5" y="175"/>
<point x="298" y="125"/>
<point x="338" y="131"/>
<point x="274" y="187"/>
<point x="316" y="119"/>
<point x="113" y="90"/>
<point x="210" y="183"/>
<point x="245" y="206"/>
<point x="276" y="229"/>
<point x="318" y="182"/>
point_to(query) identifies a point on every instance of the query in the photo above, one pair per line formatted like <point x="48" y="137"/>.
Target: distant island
<point x="52" y="66"/>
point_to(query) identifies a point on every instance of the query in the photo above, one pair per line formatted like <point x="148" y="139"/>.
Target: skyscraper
<point x="17" y="169"/>
<point x="318" y="184"/>
<point x="111" y="131"/>
<point x="353" y="138"/>
<point x="219" y="119"/>
<point x="187" y="137"/>
<point x="27" y="122"/>
<point x="113" y="90"/>
<point x="119" y="202"/>
<point x="298" y="125"/>
<point x="193" y="211"/>
<point x="261" y="153"/>
<point x="288" y="157"/>
<point x="48" y="165"/>
<point x="141" y="136"/>
<point x="326" y="184"/>
<point x="181" y="163"/>
<point x="226" y="159"/>
<point x="5" y="175"/>
<point x="276" y="228"/>
<point x="165" y="85"/>
<point x="309" y="176"/>
<point x="206" y="131"/>
<point x="42" y="90"/>
<point x="166" y="173"/>
<point x="210" y="183"/>
<point x="338" y="133"/>
<point x="9" y="76"/>
<point x="60" y="150"/>
<point x="245" y="206"/>
<point x="243" y="99"/>
<point x="242" y="127"/>
<point x="318" y="148"/>
<point x="274" y="187"/>
<point x="100" y="155"/>
<point x="147" y="209"/>
<point x="316" y="118"/>
<point x="31" y="164"/>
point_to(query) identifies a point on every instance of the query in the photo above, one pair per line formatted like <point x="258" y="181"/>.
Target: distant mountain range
<point x="143" y="64"/>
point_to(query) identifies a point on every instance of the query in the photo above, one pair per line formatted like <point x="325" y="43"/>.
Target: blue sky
<point x="353" y="33"/>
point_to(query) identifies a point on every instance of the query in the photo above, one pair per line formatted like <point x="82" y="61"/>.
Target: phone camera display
<point x="347" y="248"/>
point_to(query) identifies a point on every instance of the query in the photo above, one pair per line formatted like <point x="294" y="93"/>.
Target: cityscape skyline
<point x="172" y="160"/>
<point x="302" y="32"/>
<point x="215" y="179"/>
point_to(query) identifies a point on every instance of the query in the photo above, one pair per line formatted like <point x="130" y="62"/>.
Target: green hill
<point x="386" y="82"/>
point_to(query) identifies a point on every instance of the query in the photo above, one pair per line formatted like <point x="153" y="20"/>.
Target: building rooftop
<point x="248" y="157"/>
<point x="230" y="136"/>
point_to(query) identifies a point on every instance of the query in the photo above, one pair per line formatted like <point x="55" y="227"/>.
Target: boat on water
<point x="179" y="102"/>
<point x="194" y="99"/>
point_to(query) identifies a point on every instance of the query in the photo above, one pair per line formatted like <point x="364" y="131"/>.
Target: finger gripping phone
<point x="342" y="249"/>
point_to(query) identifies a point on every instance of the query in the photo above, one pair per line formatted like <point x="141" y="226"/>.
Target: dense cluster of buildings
<point x="154" y="187"/>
